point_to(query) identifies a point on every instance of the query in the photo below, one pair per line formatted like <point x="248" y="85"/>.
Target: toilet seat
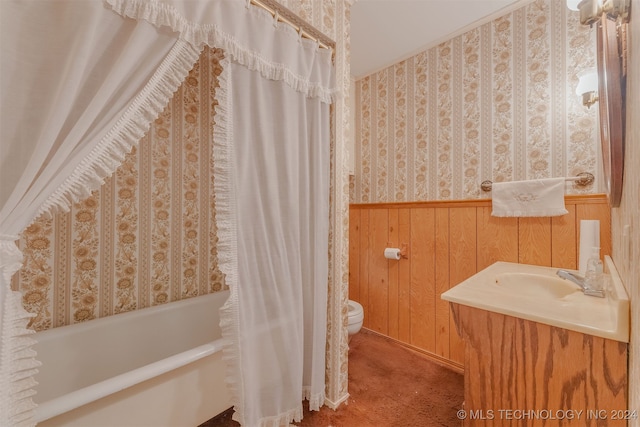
<point x="355" y="318"/>
<point x="356" y="312"/>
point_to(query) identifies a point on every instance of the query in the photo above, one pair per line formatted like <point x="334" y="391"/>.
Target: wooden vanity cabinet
<point x="523" y="373"/>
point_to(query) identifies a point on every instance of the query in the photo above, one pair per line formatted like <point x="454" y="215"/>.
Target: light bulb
<point x="573" y="4"/>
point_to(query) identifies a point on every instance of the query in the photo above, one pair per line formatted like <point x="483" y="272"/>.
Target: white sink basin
<point x="536" y="293"/>
<point x="535" y="285"/>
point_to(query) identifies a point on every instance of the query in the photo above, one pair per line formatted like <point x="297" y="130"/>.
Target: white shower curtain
<point x="80" y="86"/>
<point x="272" y="198"/>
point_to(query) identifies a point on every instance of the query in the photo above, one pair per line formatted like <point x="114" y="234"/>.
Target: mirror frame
<point x="611" y="38"/>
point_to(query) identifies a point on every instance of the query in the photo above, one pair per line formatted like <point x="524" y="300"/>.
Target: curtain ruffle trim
<point x="160" y="15"/>
<point x="18" y="365"/>
<point x="108" y="155"/>
<point x="285" y="419"/>
<point x="17" y="357"/>
<point x="315" y="400"/>
<point x="227" y="247"/>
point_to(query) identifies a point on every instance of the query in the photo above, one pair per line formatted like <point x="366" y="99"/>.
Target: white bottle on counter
<point x="593" y="276"/>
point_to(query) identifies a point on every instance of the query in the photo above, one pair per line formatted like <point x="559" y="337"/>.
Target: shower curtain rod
<point x="285" y="15"/>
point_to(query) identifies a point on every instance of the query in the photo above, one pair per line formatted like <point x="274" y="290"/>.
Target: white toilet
<point x="356" y="316"/>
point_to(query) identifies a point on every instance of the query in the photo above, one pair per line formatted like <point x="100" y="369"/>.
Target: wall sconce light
<point x="592" y="10"/>
<point x="588" y="87"/>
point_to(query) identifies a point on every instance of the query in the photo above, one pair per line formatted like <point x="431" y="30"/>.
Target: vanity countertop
<point x="536" y="293"/>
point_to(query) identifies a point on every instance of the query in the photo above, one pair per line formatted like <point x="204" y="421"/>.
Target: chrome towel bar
<point x="582" y="179"/>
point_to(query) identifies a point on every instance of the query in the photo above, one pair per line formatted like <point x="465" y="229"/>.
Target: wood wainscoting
<point x="446" y="243"/>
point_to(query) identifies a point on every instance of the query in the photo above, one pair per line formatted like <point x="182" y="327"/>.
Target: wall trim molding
<point x="334" y="405"/>
<point x="570" y="199"/>
<point x="442" y="361"/>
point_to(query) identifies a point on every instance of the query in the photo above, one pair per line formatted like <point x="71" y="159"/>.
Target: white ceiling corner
<point x="384" y="32"/>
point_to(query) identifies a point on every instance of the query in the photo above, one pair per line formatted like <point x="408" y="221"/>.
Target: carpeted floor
<point x="389" y="385"/>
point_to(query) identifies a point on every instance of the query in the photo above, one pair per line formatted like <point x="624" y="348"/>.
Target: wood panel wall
<point x="447" y="242"/>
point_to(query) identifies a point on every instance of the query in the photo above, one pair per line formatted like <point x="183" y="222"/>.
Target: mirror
<point x="611" y="37"/>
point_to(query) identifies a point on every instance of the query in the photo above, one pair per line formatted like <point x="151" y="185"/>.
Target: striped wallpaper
<point x="147" y="236"/>
<point x="495" y="103"/>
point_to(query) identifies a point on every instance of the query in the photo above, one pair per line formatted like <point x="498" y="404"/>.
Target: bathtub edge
<point x="83" y="396"/>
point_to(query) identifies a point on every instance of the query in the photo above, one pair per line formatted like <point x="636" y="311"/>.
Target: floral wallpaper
<point x="147" y="237"/>
<point x="495" y="103"/>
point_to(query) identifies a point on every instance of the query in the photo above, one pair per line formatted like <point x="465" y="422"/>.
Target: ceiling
<point x="384" y="32"/>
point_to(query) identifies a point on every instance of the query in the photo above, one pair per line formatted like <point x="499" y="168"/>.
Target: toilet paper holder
<point x="404" y="249"/>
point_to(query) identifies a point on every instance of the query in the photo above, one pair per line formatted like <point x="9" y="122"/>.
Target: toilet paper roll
<point x="392" y="253"/>
<point x="589" y="237"/>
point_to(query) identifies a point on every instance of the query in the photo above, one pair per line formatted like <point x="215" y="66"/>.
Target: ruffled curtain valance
<point x="80" y="83"/>
<point x="240" y="29"/>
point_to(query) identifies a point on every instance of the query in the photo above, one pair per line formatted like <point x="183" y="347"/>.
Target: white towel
<point x="536" y="197"/>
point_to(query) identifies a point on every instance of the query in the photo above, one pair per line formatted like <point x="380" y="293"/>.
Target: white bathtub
<point x="159" y="366"/>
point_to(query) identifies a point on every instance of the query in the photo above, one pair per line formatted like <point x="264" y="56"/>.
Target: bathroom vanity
<point x="539" y="352"/>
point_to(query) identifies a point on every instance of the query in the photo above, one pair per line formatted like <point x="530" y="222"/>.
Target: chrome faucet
<point x="579" y="280"/>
